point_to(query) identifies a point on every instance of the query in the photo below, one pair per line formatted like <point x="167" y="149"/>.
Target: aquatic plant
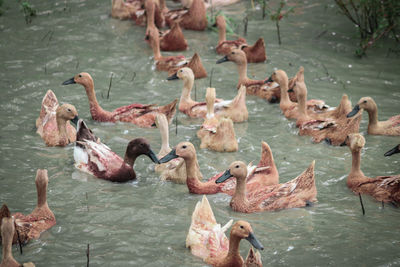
<point x="29" y="11"/>
<point x="374" y="19"/>
<point x="230" y="22"/>
<point x="1" y="9"/>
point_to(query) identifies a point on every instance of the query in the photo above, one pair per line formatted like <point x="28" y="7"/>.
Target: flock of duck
<point x="253" y="188"/>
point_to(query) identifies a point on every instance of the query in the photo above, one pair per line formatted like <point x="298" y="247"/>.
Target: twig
<point x="18" y="237"/>
<point x="383" y="204"/>
<point x="45" y="68"/>
<point x="176" y="124"/>
<point x="45" y="35"/>
<point x="109" y="87"/>
<point x="321" y="34"/>
<point x="195" y="92"/>
<point x="263" y="9"/>
<point x="87" y="202"/>
<point x="133" y="77"/>
<point x="362" y="205"/>
<point x="77" y="64"/>
<point x="245" y="21"/>
<point x="50" y="37"/>
<point x="326" y="70"/>
<point x="87" y="255"/>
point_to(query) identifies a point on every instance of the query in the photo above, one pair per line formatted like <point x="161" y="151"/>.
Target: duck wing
<point x="206" y="238"/>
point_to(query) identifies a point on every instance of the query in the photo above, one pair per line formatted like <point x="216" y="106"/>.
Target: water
<point x="144" y="223"/>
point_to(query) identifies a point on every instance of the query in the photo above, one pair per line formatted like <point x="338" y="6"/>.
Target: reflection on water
<point x="145" y="222"/>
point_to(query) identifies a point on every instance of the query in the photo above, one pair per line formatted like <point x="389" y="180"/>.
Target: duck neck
<point x="221" y="34"/>
<point x="130" y="159"/>
<point x="234" y="242"/>
<point x="156" y="48"/>
<point x="7" y="243"/>
<point x="150" y="7"/>
<point x="164" y="138"/>
<point x="240" y="192"/>
<point x="242" y="70"/>
<point x="284" y="85"/>
<point x="373" y="115"/>
<point x="356" y="163"/>
<point x="41" y="195"/>
<point x="187" y="89"/>
<point x="302" y="107"/>
<point x="95" y="109"/>
<point x="62" y="129"/>
<point x="192" y="168"/>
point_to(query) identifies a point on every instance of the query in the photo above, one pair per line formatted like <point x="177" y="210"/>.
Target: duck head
<point x="183" y="74"/>
<point x="82" y="78"/>
<point x="279" y="76"/>
<point x="243" y="230"/>
<point x="236" y="55"/>
<point x="237" y="169"/>
<point x="67" y="112"/>
<point x="137" y="147"/>
<point x="184" y="150"/>
<point x="354" y="141"/>
<point x="366" y="103"/>
<point x="220" y="22"/>
<point x="394" y="150"/>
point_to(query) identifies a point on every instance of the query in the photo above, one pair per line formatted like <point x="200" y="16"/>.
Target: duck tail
<point x="169" y="110"/>
<point x="197" y="67"/>
<point x="49" y="104"/>
<point x="84" y="133"/>
<point x="240" y="98"/>
<point x="306" y="182"/>
<point x="174" y="40"/>
<point x="344" y="106"/>
<point x="256" y="52"/>
<point x="203" y="213"/>
<point x="253" y="258"/>
<point x="267" y="159"/>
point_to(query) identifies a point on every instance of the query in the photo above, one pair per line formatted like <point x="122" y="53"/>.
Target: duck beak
<point x="269" y="80"/>
<point x="173" y="77"/>
<point x="290" y="90"/>
<point x="354" y="111"/>
<point x="170" y="156"/>
<point x="222" y="60"/>
<point x="254" y="241"/>
<point x="75" y="120"/>
<point x="227" y="174"/>
<point x="392" y="151"/>
<point x="344" y="143"/>
<point x="70" y="81"/>
<point x="153" y="157"/>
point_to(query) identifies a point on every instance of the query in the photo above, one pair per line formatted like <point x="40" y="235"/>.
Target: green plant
<point x="29" y="11"/>
<point x="230" y="23"/>
<point x="1" y="9"/>
<point x="374" y="19"/>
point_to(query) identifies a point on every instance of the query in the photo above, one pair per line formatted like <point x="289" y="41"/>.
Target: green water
<point x="144" y="223"/>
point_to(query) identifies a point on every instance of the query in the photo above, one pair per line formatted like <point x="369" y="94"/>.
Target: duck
<point x="296" y="193"/>
<point x="333" y="129"/>
<point x="382" y="188"/>
<point x="170" y="40"/>
<point x="261" y="174"/>
<point x="7" y="234"/>
<point x="139" y="114"/>
<point x="206" y="239"/>
<point x="194" y="18"/>
<point x="215" y="133"/>
<point x="375" y="127"/>
<point x="172" y="64"/>
<point x="141" y="15"/>
<point x="124" y="10"/>
<point x="174" y="170"/>
<point x="261" y="88"/>
<point x="394" y="150"/>
<point x="234" y="109"/>
<point x="289" y="108"/>
<point x="254" y="54"/>
<point x="53" y="121"/>
<point x="41" y="218"/>
<point x="97" y="159"/>
<point x="214" y="3"/>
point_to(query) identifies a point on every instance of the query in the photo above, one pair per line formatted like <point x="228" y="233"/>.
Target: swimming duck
<point x="194" y="18"/>
<point x="172" y="64"/>
<point x="394" y="150"/>
<point x="206" y="238"/>
<point x="382" y="188"/>
<point x="41" y="218"/>
<point x="216" y="134"/>
<point x="261" y="88"/>
<point x="264" y="173"/>
<point x="170" y="40"/>
<point x="53" y="121"/>
<point x="298" y="192"/>
<point x="289" y="108"/>
<point x="7" y="234"/>
<point x="174" y="170"/>
<point x="214" y="3"/>
<point x="97" y="159"/>
<point x="140" y="15"/>
<point x="139" y="114"/>
<point x="255" y="53"/>
<point x="234" y="109"/>
<point x="334" y="129"/>
<point x="389" y="127"/>
<point x="124" y="10"/>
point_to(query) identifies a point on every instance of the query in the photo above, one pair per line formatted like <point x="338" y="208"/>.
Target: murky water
<point x="144" y="223"/>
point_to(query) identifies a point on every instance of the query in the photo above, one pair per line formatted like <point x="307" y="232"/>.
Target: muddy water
<point x="144" y="223"/>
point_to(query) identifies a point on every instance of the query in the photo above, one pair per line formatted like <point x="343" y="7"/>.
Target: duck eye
<point x="181" y="71"/>
<point x="241" y="226"/>
<point x="237" y="166"/>
<point x="184" y="146"/>
<point x="80" y="76"/>
<point x="233" y="53"/>
<point x="68" y="109"/>
<point x="365" y="101"/>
